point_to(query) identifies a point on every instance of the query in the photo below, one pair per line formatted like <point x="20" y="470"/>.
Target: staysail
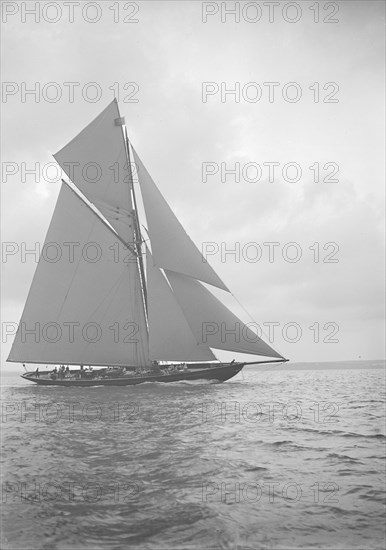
<point x="84" y="305"/>
<point x="172" y="248"/>
<point x="170" y="337"/>
<point x="211" y="322"/>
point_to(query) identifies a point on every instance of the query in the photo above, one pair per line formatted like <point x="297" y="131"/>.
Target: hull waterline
<point x="219" y="374"/>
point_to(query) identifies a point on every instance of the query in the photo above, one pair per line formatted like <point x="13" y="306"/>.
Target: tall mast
<point x="138" y="235"/>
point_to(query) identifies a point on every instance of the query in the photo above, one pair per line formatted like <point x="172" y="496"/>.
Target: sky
<point x="172" y="66"/>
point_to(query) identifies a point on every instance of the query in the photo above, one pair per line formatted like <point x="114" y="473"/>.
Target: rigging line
<point x="112" y="211"/>
<point x="143" y="238"/>
<point x="141" y="309"/>
<point x="259" y="371"/>
<point x="250" y="316"/>
<point x="64" y="361"/>
<point x="142" y="344"/>
<point x="142" y="350"/>
<point x="138" y="233"/>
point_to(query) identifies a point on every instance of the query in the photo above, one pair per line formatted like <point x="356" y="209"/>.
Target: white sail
<point x="172" y="248"/>
<point x="212" y="323"/>
<point x="84" y="305"/>
<point x="96" y="162"/>
<point x="170" y="337"/>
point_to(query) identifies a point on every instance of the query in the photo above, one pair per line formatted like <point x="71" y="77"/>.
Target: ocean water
<point x="273" y="459"/>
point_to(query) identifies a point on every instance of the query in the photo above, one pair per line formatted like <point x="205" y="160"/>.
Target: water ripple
<point x="271" y="461"/>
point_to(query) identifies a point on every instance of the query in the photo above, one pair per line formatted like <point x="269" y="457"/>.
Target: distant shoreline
<point x="331" y="365"/>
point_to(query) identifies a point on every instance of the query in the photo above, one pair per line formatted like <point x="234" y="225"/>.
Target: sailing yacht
<point x="117" y="303"/>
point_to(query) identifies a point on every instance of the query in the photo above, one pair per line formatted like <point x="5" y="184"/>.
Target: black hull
<point x="220" y="374"/>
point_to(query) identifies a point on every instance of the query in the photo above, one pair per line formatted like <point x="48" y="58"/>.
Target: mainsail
<point x="88" y="304"/>
<point x="84" y="305"/>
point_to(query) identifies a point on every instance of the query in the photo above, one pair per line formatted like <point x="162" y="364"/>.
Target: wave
<point x="340" y="433"/>
<point x="345" y="458"/>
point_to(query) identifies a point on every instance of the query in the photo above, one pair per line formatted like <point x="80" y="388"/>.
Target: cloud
<point x="169" y="54"/>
